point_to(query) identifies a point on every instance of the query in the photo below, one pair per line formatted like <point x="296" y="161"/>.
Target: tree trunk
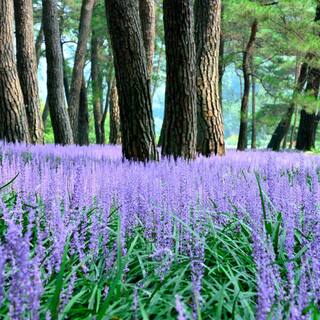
<point x="83" y="128"/>
<point x="180" y="124"/>
<point x="45" y="114"/>
<point x="65" y="75"/>
<point x="243" y="133"/>
<point x="56" y="96"/>
<point x="210" y="138"/>
<point x="96" y="81"/>
<point x="284" y="124"/>
<point x="294" y="126"/>
<point x="115" y="130"/>
<point x="13" y="118"/>
<point x="76" y="82"/>
<point x="221" y="58"/>
<point x="148" y="26"/>
<point x="308" y="120"/>
<point x="38" y="44"/>
<point x="253" y="120"/>
<point x="27" y="67"/>
<point x="105" y="111"/>
<point x="137" y="124"/>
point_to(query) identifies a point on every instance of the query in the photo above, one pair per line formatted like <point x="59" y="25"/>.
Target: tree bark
<point x="137" y="124"/>
<point x="180" y="125"/>
<point x="115" y="125"/>
<point x="284" y="124"/>
<point x="243" y="133"/>
<point x="148" y="26"/>
<point x="27" y="67"/>
<point x="96" y="81"/>
<point x="210" y="138"/>
<point x="76" y="82"/>
<point x="309" y="120"/>
<point x="83" y="128"/>
<point x="56" y="96"/>
<point x="13" y="117"/>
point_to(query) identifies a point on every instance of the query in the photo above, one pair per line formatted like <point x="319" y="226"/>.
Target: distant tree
<point x="83" y="129"/>
<point x="247" y="56"/>
<point x="13" y="118"/>
<point x="115" y="124"/>
<point x="27" y="67"/>
<point x="79" y="60"/>
<point x="137" y="125"/>
<point x="253" y="108"/>
<point x="56" y="94"/>
<point x="210" y="136"/>
<point x="180" y="126"/>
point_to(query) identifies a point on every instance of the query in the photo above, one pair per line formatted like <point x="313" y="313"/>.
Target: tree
<point x="179" y="127"/>
<point x="210" y="138"/>
<point x="115" y="124"/>
<point x="253" y="105"/>
<point x="284" y="124"/>
<point x="13" y="118"/>
<point x="148" y="24"/>
<point x="56" y="94"/>
<point x="27" y="67"/>
<point x="247" y="56"/>
<point x="79" y="60"/>
<point x="83" y="128"/>
<point x="137" y="125"/>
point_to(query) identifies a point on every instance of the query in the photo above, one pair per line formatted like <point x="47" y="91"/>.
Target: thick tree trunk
<point x="76" y="82"/>
<point x="308" y="120"/>
<point x="137" y="125"/>
<point x="13" y="118"/>
<point x="243" y="133"/>
<point x="27" y="67"/>
<point x="83" y="128"/>
<point x="210" y="138"/>
<point x="284" y="124"/>
<point x="221" y="57"/>
<point x="56" y="96"/>
<point x="115" y="125"/>
<point x="148" y="26"/>
<point x="180" y="124"/>
<point x="96" y="81"/>
<point x="253" y="111"/>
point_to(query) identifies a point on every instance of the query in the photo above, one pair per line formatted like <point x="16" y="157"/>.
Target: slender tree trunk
<point x="243" y="133"/>
<point x="96" y="81"/>
<point x="38" y="44"/>
<point x="157" y="72"/>
<point x="13" y="117"/>
<point x="83" y="128"/>
<point x="65" y="75"/>
<point x="253" y="121"/>
<point x="137" y="126"/>
<point x="76" y="82"/>
<point x="293" y="130"/>
<point x="180" y="120"/>
<point x="284" y="124"/>
<point x="308" y="120"/>
<point x="56" y="96"/>
<point x="210" y="138"/>
<point x="45" y="114"/>
<point x="115" y="125"/>
<point x="148" y="26"/>
<point x="27" y="67"/>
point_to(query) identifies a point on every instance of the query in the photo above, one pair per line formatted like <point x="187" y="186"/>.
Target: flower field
<point x="85" y="235"/>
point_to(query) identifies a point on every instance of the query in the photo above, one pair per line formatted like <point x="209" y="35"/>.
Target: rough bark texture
<point x="76" y="82"/>
<point x="96" y="82"/>
<point x="284" y="124"/>
<point x="180" y="125"/>
<point x="137" y="125"/>
<point x="210" y="136"/>
<point x="243" y="133"/>
<point x="13" y="118"/>
<point x="148" y="26"/>
<point x="308" y="119"/>
<point x="115" y="124"/>
<point x="83" y="128"/>
<point x="56" y="96"/>
<point x="27" y="67"/>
